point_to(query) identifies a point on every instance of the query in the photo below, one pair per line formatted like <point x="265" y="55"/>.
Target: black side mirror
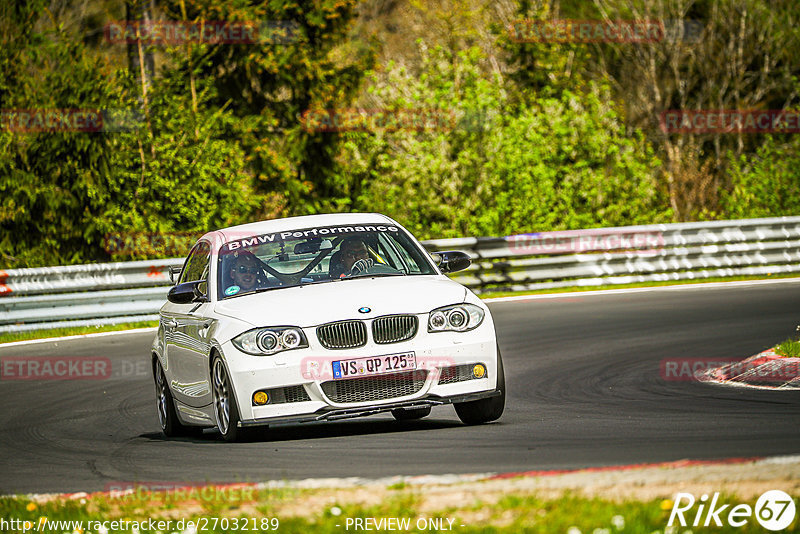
<point x="187" y="292"/>
<point x="450" y="261"/>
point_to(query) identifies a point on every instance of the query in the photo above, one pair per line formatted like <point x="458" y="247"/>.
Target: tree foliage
<point x="557" y="162"/>
<point x="306" y="59"/>
<point x="767" y="185"/>
<point x="54" y="186"/>
<point x="519" y="136"/>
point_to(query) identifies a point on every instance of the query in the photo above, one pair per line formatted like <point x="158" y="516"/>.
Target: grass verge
<point x="315" y="511"/>
<point x="789" y="348"/>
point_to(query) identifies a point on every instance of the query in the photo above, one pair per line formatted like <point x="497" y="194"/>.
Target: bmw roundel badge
<point x="364" y="310"/>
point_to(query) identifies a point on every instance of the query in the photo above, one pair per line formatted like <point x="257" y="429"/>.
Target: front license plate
<point x="374" y="365"/>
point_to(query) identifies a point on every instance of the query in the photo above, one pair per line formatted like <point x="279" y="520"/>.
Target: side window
<point x="197" y="263"/>
<point x="406" y="257"/>
<point x="186" y="264"/>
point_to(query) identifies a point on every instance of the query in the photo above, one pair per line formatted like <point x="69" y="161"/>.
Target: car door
<point x="187" y="329"/>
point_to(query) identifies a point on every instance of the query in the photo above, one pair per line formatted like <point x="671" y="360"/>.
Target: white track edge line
<point x="673" y="287"/>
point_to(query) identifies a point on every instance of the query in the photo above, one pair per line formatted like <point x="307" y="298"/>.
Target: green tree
<point x="767" y="185"/>
<point x="539" y="67"/>
<point x="306" y="59"/>
<point x="557" y="162"/>
<point x="175" y="170"/>
<point x="567" y="162"/>
<point x="434" y="180"/>
<point x="53" y="185"/>
<point x="167" y="161"/>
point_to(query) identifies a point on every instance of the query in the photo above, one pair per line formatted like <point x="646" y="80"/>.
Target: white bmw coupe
<point x="316" y="318"/>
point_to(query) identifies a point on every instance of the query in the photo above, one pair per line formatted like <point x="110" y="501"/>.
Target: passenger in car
<point x="245" y="272"/>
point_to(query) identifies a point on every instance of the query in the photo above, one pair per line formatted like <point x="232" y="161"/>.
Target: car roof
<point x="304" y="221"/>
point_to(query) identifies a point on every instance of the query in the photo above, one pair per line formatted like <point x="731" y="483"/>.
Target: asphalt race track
<point x="585" y="388"/>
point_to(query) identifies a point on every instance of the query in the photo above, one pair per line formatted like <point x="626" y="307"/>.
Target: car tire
<point x="402" y="414"/>
<point x="226" y="412"/>
<point x="167" y="415"/>
<point x="485" y="410"/>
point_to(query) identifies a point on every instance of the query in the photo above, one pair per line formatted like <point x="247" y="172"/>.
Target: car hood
<point x="315" y="304"/>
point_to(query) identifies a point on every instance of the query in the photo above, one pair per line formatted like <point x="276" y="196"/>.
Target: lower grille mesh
<point x="456" y="373"/>
<point x="375" y="387"/>
<point x="287" y="394"/>
<point x="296" y="394"/>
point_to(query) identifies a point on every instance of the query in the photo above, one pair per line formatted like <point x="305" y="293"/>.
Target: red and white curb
<point x="133" y="488"/>
<point x="765" y="370"/>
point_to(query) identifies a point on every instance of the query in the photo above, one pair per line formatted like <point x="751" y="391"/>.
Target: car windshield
<point x="317" y="255"/>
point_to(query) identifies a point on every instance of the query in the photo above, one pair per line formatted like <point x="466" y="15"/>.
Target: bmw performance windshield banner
<point x="326" y="231"/>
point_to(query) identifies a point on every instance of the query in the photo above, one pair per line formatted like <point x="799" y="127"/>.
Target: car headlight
<point x="458" y="318"/>
<point x="268" y="341"/>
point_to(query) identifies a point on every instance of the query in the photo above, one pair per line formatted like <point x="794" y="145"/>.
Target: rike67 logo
<point x="774" y="510"/>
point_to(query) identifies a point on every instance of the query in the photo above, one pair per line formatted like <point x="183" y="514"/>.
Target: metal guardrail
<point x="81" y="295"/>
<point x="623" y="255"/>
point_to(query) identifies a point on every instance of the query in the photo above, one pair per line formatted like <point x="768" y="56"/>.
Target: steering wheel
<point x="362" y="265"/>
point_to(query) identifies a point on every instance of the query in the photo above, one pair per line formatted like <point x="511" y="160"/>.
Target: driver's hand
<point x="362" y="265"/>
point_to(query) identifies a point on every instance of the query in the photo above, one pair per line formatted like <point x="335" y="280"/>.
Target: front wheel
<point x="225" y="409"/>
<point x="485" y="410"/>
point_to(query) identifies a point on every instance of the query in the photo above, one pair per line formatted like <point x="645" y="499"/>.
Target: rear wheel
<point x="167" y="415"/>
<point x="485" y="410"/>
<point x="402" y="414"/>
<point x="225" y="409"/>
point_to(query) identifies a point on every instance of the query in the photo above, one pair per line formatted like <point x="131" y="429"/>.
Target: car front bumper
<point x="443" y="376"/>
<point x="334" y="414"/>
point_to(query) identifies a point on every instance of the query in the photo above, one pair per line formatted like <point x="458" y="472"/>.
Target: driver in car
<point x="353" y="258"/>
<point x="244" y="272"/>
